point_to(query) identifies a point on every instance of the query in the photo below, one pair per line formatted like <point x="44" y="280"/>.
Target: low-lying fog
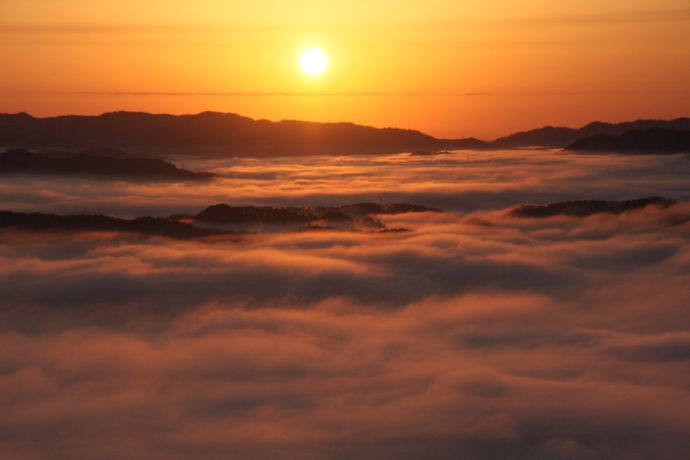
<point x="463" y="181"/>
<point x="476" y="334"/>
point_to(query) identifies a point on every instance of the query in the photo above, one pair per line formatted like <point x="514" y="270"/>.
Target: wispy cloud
<point x="613" y="17"/>
<point x="282" y="93"/>
<point x="401" y="94"/>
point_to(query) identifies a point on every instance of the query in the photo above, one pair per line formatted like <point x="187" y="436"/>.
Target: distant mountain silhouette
<point x="99" y="223"/>
<point x="93" y="163"/>
<point x="226" y="134"/>
<point x="587" y="207"/>
<point x="655" y="140"/>
<point x="217" y="220"/>
<point x="213" y="134"/>
<point x="557" y="137"/>
<point x="347" y="216"/>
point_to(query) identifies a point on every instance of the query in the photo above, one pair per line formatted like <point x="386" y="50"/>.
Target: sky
<point x="450" y="68"/>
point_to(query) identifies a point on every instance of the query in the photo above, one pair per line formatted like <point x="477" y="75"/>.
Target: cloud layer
<point x="473" y="335"/>
<point x="466" y="181"/>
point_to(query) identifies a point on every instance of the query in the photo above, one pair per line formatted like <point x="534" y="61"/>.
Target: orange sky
<point x="451" y="68"/>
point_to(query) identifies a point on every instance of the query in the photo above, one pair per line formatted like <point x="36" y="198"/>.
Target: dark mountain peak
<point x="213" y="134"/>
<point x="220" y="116"/>
<point x="93" y="162"/>
<point x="561" y="137"/>
<point x="125" y="113"/>
<point x="18" y="115"/>
<point x="586" y="208"/>
<point x="547" y="136"/>
<point x="213" y="113"/>
<point x="101" y="223"/>
<point x="596" y="125"/>
<point x="218" y="219"/>
<point x="229" y="134"/>
<point x="652" y="140"/>
<point x="123" y="116"/>
<point x="354" y="216"/>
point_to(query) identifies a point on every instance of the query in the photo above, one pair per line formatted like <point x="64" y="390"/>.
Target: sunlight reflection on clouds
<point x="475" y="334"/>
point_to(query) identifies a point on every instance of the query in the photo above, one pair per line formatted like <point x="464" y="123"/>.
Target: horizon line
<point x="361" y="93"/>
<point x="284" y="93"/>
<point x="278" y="120"/>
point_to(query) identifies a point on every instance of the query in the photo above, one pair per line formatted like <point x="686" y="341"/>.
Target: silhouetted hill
<point x="216" y="134"/>
<point x="216" y="220"/>
<point x="655" y="140"/>
<point x="558" y="137"/>
<point x="222" y="213"/>
<point x="360" y="215"/>
<point x="227" y="134"/>
<point x="587" y="207"/>
<point x="93" y="163"/>
<point x="548" y="136"/>
<point x="143" y="225"/>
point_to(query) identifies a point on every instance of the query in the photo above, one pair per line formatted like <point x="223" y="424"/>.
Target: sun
<point x="313" y="61"/>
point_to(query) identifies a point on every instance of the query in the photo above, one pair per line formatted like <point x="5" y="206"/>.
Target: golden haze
<point x="451" y="68"/>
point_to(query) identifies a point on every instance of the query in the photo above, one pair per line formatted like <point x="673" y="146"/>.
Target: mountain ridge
<point x="561" y="137"/>
<point x="653" y="140"/>
<point x="97" y="163"/>
<point x="217" y="220"/>
<point x="586" y="208"/>
<point x="218" y="134"/>
<point x="213" y="134"/>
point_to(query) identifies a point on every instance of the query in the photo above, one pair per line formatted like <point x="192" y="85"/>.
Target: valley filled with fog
<point x="470" y="330"/>
<point x="462" y="181"/>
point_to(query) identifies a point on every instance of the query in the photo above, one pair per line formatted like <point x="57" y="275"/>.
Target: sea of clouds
<point x="475" y="334"/>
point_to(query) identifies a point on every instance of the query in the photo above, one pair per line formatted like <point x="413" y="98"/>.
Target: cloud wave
<point x="473" y="335"/>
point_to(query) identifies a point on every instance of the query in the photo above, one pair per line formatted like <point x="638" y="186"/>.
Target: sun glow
<point x="313" y="61"/>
